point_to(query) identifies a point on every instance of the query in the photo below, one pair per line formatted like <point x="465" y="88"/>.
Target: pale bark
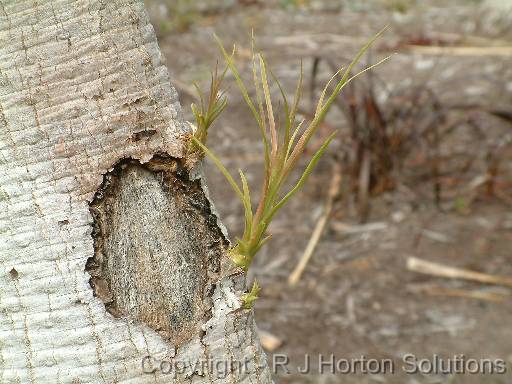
<point x="110" y="250"/>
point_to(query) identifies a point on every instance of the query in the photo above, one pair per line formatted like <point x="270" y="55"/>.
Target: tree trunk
<point x="113" y="266"/>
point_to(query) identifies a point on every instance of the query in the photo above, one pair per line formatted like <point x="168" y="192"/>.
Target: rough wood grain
<point x="82" y="87"/>
<point x="157" y="247"/>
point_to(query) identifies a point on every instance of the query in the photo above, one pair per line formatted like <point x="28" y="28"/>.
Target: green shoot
<point x="284" y="143"/>
<point x="207" y="113"/>
<point x="249" y="298"/>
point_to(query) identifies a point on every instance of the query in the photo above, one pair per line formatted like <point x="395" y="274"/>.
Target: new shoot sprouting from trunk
<point x="284" y="142"/>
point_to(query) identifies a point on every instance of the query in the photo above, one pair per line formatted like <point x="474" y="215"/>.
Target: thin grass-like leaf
<point x="366" y="70"/>
<point x="324" y="91"/>
<point x="220" y="103"/>
<point x="200" y="94"/>
<point x="296" y="98"/>
<point x="320" y="115"/>
<point x="359" y="55"/>
<point x="261" y="243"/>
<point x="286" y="107"/>
<point x="239" y="81"/>
<point x="303" y="178"/>
<point x="206" y="114"/>
<point x="325" y="108"/>
<point x="294" y="135"/>
<point x="247" y="204"/>
<point x="270" y="112"/>
<point x="249" y="298"/>
<point x="221" y="167"/>
<point x="347" y="72"/>
<point x="263" y="127"/>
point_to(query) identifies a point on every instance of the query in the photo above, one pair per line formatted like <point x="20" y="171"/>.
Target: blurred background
<point x="417" y="185"/>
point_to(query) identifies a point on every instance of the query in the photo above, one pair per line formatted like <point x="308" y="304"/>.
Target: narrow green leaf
<point x="249" y="298"/>
<point x="221" y="168"/>
<point x="247" y="205"/>
<point x="283" y="97"/>
<point x="294" y="135"/>
<point x="347" y="72"/>
<point x="320" y="115"/>
<point x="270" y="112"/>
<point x="239" y="81"/>
<point x="261" y="243"/>
<point x="263" y="127"/>
<point x="219" y="108"/>
<point x="360" y="54"/>
<point x="297" y="96"/>
<point x="324" y="91"/>
<point x="327" y="105"/>
<point x="303" y="178"/>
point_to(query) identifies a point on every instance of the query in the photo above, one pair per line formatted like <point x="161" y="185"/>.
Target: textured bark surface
<point x="140" y="210"/>
<point x="92" y="192"/>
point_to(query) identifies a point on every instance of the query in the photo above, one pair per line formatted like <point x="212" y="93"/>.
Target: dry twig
<point x="334" y="189"/>
<point x="434" y="269"/>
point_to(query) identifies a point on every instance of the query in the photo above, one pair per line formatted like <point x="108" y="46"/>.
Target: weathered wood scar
<point x="157" y="247"/>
